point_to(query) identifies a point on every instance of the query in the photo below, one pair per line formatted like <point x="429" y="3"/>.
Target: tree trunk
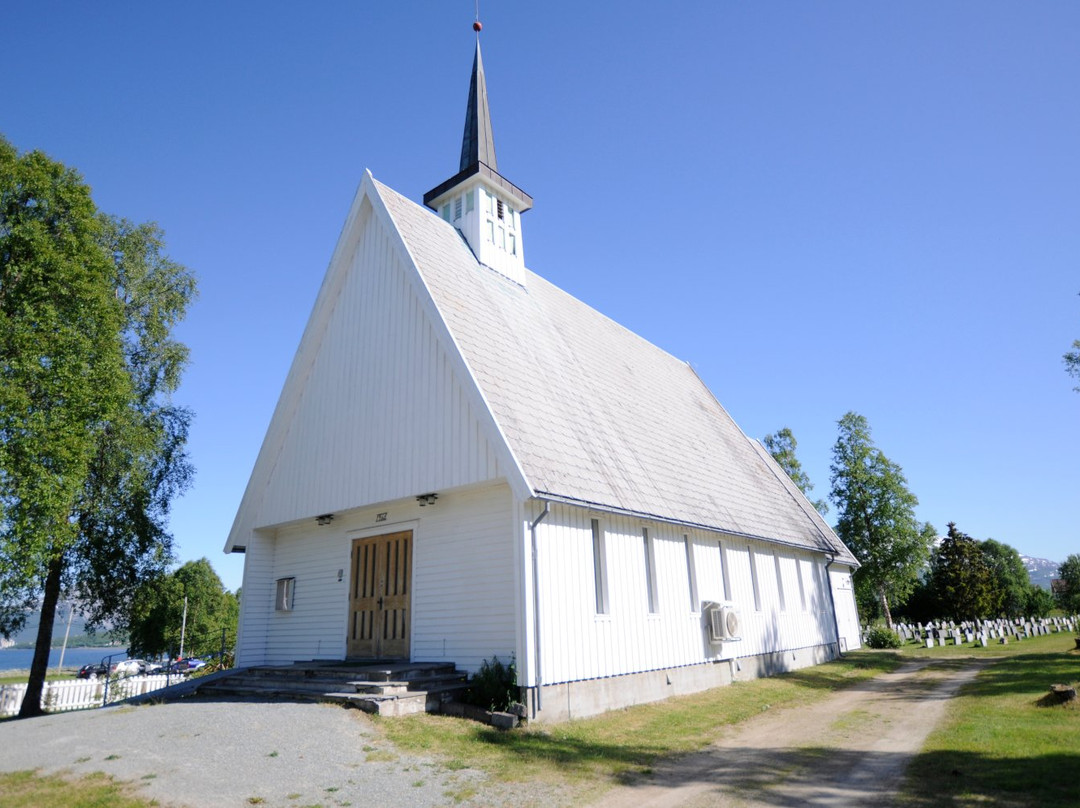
<point x="885" y="608"/>
<point x="31" y="705"/>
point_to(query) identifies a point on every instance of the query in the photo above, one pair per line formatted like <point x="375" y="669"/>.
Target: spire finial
<point x="477" y="26"/>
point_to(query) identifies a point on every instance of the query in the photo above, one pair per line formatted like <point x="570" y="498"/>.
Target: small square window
<point x="286" y="589"/>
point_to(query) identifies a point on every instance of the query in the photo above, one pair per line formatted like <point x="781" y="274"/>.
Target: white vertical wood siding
<point x="462" y="606"/>
<point x="372" y="410"/>
<point x="578" y="643"/>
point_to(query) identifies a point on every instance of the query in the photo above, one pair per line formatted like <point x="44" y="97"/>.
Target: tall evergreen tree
<point x="962" y="577"/>
<point x="91" y="448"/>
<point x="876" y="516"/>
<point x="781" y="445"/>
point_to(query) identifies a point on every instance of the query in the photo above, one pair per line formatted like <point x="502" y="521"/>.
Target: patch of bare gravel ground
<point x="206" y="753"/>
<point x="850" y="749"/>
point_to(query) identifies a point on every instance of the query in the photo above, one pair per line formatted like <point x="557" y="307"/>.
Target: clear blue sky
<point x="823" y="206"/>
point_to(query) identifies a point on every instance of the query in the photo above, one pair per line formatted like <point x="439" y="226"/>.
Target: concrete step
<point x="393" y="689"/>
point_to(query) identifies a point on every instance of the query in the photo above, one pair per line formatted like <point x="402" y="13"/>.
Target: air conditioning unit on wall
<point x="722" y="621"/>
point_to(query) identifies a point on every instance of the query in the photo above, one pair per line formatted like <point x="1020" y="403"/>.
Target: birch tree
<point x="91" y="446"/>
<point x="876" y="516"/>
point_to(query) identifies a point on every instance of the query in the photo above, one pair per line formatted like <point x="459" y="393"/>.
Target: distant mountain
<point x="1040" y="570"/>
<point x="29" y="632"/>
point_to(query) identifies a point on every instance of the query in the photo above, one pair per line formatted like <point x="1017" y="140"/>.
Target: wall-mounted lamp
<point x="427" y="499"/>
<point x="340" y="574"/>
<point x="325" y="519"/>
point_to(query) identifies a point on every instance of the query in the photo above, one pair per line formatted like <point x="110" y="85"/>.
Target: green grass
<point x="623" y="745"/>
<point x="999" y="744"/>
<point x="21" y="677"/>
<point x="28" y="789"/>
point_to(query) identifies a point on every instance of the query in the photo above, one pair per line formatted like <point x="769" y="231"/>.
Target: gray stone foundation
<point x="568" y="700"/>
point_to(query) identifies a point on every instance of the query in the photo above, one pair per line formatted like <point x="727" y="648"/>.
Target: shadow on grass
<point x="577" y="755"/>
<point x="961" y="778"/>
<point x="1018" y="675"/>
<point x="827" y="776"/>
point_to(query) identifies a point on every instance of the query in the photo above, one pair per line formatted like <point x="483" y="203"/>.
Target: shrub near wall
<point x="882" y="637"/>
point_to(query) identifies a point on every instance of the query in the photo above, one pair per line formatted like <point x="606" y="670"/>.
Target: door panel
<point x="381" y="578"/>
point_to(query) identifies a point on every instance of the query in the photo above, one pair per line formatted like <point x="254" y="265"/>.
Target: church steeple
<point x="478" y="143"/>
<point x="479" y="201"/>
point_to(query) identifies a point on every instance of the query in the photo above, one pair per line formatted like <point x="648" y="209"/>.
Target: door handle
<point x="380" y="602"/>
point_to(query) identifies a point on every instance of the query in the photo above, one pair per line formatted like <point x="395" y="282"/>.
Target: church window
<point x="724" y="582"/>
<point x="780" y="583"/>
<point x="491" y="231"/>
<point x="513" y="244"/>
<point x="599" y="567"/>
<point x="500" y="209"/>
<point x="650" y="570"/>
<point x="691" y="572"/>
<point x="446" y="211"/>
<point x="502" y="239"/>
<point x="510" y="216"/>
<point x="754" y="578"/>
<point x="457" y="208"/>
<point x="283" y="599"/>
<point x="470" y="201"/>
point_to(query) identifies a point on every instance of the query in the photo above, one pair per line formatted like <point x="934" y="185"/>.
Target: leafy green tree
<point x="1010" y="582"/>
<point x="877" y="516"/>
<point x="1038" y="602"/>
<point x="91" y="448"/>
<point x="962" y="577"/>
<point x="781" y="445"/>
<point x="1068" y="597"/>
<point x="157" y="613"/>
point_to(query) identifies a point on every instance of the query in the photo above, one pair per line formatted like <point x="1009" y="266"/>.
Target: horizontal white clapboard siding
<point x="578" y="643"/>
<point x="462" y="593"/>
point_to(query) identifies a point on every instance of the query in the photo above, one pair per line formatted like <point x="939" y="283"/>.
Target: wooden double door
<point x="379" y="596"/>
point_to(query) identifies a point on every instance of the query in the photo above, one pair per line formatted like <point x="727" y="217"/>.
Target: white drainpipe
<point x="536" y="608"/>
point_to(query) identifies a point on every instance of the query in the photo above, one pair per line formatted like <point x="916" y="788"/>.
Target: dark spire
<point x="478" y="143"/>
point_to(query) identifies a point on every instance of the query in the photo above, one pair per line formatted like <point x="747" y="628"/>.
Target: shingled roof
<point x="596" y="415"/>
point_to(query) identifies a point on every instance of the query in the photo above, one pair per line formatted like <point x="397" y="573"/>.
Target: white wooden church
<point x="466" y="461"/>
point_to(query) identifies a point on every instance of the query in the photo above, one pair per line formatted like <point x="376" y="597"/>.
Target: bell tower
<point x="481" y="203"/>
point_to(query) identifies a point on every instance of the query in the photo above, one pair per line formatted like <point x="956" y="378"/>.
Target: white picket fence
<point x="78" y="694"/>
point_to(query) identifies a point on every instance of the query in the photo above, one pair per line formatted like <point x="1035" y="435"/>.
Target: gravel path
<point x="217" y="753"/>
<point x="849" y="750"/>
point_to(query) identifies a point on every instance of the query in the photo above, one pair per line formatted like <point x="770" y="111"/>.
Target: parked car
<point x="95" y="670"/>
<point x="188" y="665"/>
<point x="129" y="667"/>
